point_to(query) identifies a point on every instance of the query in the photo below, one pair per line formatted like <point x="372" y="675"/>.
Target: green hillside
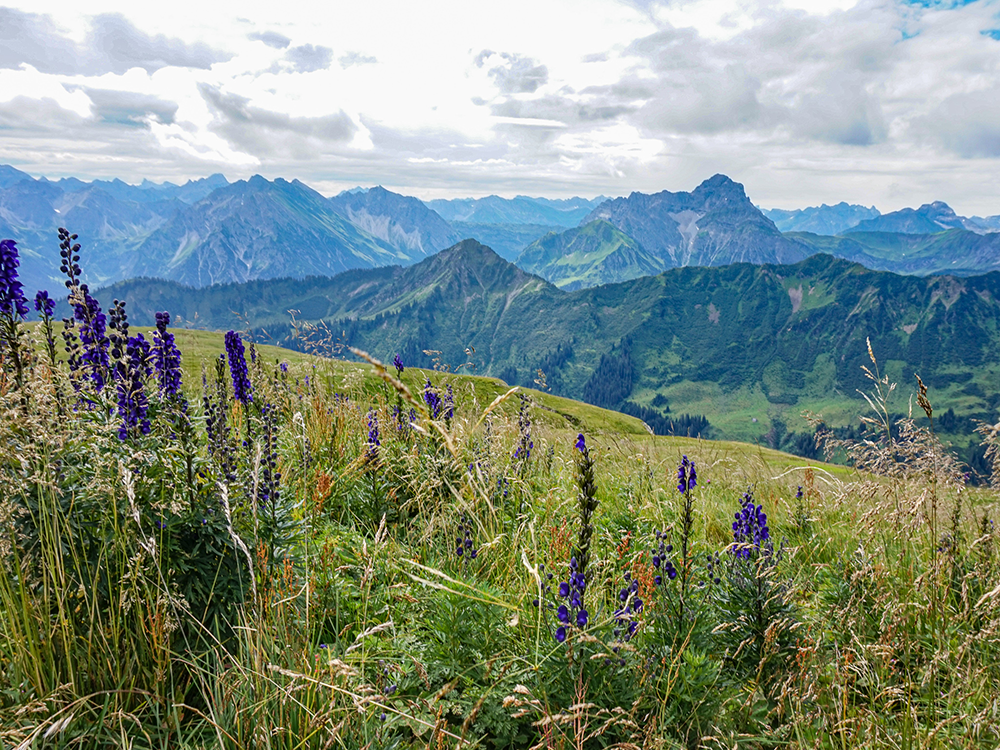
<point x="749" y="348"/>
<point x="596" y="253"/>
<point x="956" y="251"/>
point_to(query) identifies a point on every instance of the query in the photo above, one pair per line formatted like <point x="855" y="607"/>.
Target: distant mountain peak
<point x="930" y="218"/>
<point x="468" y="249"/>
<point x="715" y="224"/>
<point x="720" y="180"/>
<point x="822" y="220"/>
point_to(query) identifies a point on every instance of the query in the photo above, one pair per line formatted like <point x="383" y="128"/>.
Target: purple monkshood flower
<point x="373" y="443"/>
<point x="750" y="529"/>
<point x="238" y="368"/>
<point x="45" y="304"/>
<point x="662" y="563"/>
<point x="12" y="301"/>
<point x="573" y="612"/>
<point x="130" y="379"/>
<point x="94" y="341"/>
<point x="433" y="400"/>
<point x="449" y="403"/>
<point x="464" y="546"/>
<point x="581" y="445"/>
<point x="166" y="358"/>
<point x="398" y="364"/>
<point x="687" y="478"/>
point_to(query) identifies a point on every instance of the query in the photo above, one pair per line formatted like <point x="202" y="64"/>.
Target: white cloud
<point x="804" y="101"/>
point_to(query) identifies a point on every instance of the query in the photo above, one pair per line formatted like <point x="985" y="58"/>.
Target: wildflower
<point x="269" y="481"/>
<point x="398" y="364"/>
<point x="44" y="304"/>
<point x="12" y="302"/>
<point x="525" y="444"/>
<point x="626" y="617"/>
<point x="687" y="480"/>
<point x="750" y="527"/>
<point x="12" y="306"/>
<point x="713" y="563"/>
<point x="118" y="323"/>
<point x="465" y="548"/>
<point x="238" y="368"/>
<point x="587" y="504"/>
<point x="686" y="476"/>
<point x="449" y="404"/>
<point x="92" y="356"/>
<point x="47" y="307"/>
<point x="660" y="560"/>
<point x="573" y="611"/>
<point x="432" y="399"/>
<point x="373" y="443"/>
<point x="166" y="358"/>
<point x="130" y="377"/>
<point x="69" y="252"/>
<point x="581" y="444"/>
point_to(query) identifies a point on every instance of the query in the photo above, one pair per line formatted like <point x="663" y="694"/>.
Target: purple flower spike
<point x="580" y="444"/>
<point x="686" y="476"/>
<point x="12" y="302"/>
<point x="433" y="400"/>
<point x="45" y="304"/>
<point x="166" y="358"/>
<point x="238" y="368"/>
<point x="130" y="377"/>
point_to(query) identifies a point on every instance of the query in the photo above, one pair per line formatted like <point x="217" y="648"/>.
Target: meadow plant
<point x="166" y="359"/>
<point x="46" y="307"/>
<point x="432" y="399"/>
<point x="13" y="309"/>
<point x="754" y="602"/>
<point x="242" y="390"/>
<point x="586" y="505"/>
<point x="687" y="480"/>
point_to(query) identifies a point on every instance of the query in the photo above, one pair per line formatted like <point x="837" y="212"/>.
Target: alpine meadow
<point x="560" y="375"/>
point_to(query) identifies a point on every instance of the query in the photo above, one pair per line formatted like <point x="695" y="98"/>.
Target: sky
<point x="878" y="102"/>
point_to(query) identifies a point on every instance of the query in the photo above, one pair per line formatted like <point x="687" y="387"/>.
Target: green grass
<point x="335" y="612"/>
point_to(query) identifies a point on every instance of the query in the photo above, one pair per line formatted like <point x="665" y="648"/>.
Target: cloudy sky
<point x="879" y="102"/>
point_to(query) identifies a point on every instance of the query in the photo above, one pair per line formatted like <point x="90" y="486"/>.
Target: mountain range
<point x="567" y="212"/>
<point x="716" y="224"/>
<point x="740" y="350"/>
<point x="823" y="219"/>
<point x="211" y="231"/>
<point x="930" y="218"/>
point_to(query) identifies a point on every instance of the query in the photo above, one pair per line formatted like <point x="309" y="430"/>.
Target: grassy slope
<point x="631" y="506"/>
<point x="201" y="348"/>
<point x="734" y="344"/>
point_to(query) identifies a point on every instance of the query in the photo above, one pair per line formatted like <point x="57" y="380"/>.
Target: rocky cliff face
<point x="258" y="230"/>
<point x="403" y="222"/>
<point x="713" y="225"/>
